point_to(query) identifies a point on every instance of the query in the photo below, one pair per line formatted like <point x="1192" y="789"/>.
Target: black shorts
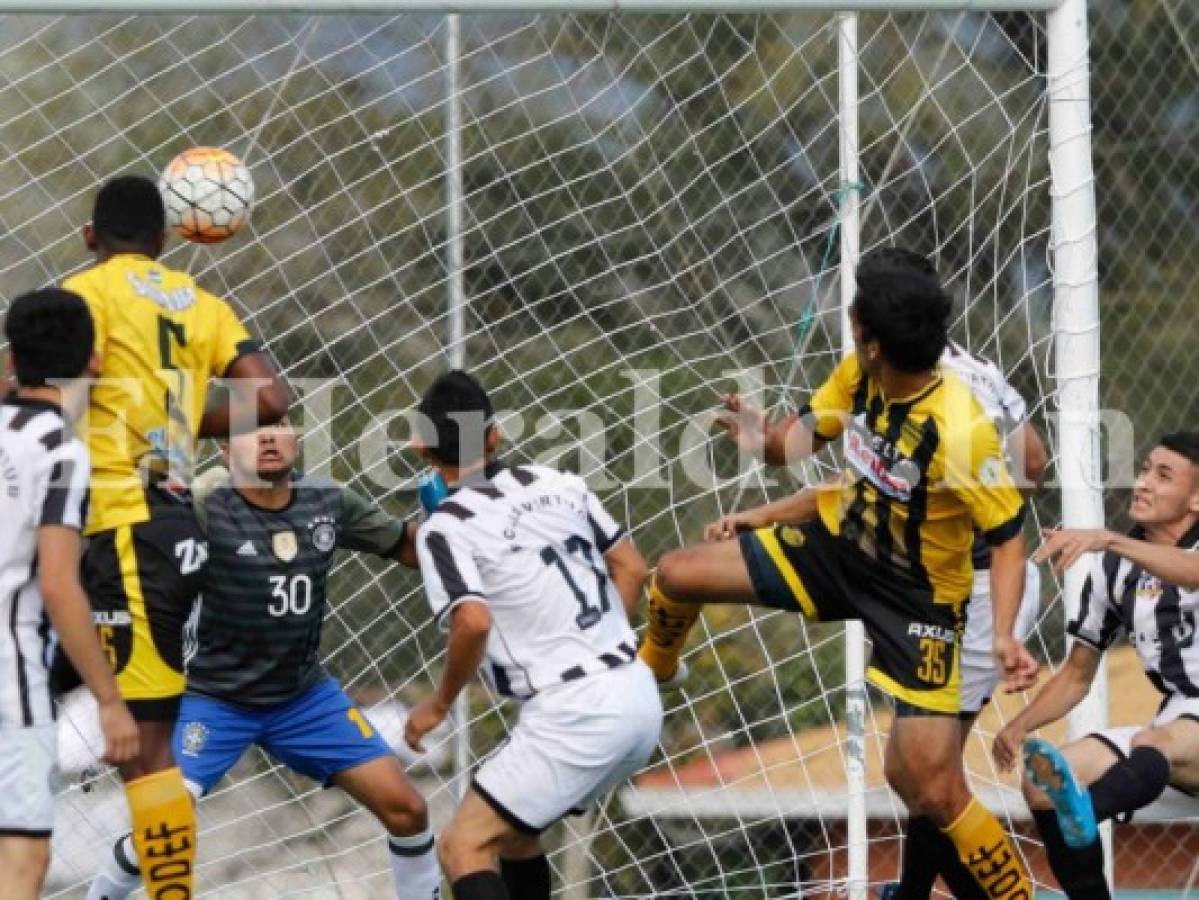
<point x="916" y="642"/>
<point x="143" y="581"/>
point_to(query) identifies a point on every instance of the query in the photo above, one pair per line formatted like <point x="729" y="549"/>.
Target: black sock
<point x="485" y="885"/>
<point x="921" y="854"/>
<point x="927" y="853"/>
<point x="527" y="879"/>
<point x="1131" y="783"/>
<point x="1079" y="870"/>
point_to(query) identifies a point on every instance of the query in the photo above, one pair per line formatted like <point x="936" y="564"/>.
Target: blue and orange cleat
<point x="1048" y="770"/>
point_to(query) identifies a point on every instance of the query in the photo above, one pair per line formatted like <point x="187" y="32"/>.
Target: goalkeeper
<point x="255" y="677"/>
<point x="890" y="546"/>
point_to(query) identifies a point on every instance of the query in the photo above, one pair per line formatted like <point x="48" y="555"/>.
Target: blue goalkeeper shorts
<point x="318" y="734"/>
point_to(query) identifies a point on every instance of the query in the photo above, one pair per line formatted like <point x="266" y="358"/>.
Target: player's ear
<point x="160" y="244"/>
<point x="492" y="438"/>
<point x="94" y="365"/>
<point x="89" y="237"/>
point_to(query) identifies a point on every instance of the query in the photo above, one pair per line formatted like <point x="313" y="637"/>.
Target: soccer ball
<point x="208" y="193"/>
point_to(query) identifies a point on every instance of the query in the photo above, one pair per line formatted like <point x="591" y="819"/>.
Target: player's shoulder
<point x="38" y="421"/>
<point x="848" y="370"/>
<point x="529" y="474"/>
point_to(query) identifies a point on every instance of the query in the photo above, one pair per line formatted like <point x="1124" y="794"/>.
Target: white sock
<point x="414" y="867"/>
<point x="119" y="878"/>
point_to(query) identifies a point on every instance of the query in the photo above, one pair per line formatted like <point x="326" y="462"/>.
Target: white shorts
<point x="28" y="780"/>
<point x="571" y="745"/>
<point x="1174" y="803"/>
<point x="979" y="673"/>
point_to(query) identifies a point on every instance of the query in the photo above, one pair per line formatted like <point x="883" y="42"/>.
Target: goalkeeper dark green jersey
<point x="258" y="628"/>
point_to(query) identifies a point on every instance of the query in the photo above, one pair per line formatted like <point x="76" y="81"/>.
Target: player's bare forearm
<point x="257" y="396"/>
<point x="776" y="443"/>
<point x="470" y="624"/>
<point x="1007" y="583"/>
<point x="793" y="510"/>
<point x="788" y="441"/>
<point x="69" y="610"/>
<point x="628" y="571"/>
<point x="1169" y="563"/>
<point x="1064" y="691"/>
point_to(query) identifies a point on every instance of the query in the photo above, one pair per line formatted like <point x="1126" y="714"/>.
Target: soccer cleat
<point x="1048" y="770"/>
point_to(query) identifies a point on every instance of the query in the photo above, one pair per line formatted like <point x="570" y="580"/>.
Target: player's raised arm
<point x="799" y="435"/>
<point x="1060" y="694"/>
<point x="257" y="396"/>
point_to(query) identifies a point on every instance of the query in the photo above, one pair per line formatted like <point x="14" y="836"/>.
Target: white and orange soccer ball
<point x="208" y="193"/>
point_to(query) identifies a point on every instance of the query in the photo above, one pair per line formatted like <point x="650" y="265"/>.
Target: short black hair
<point x="900" y="303"/>
<point x="51" y="336"/>
<point x="1184" y="443"/>
<point x="454" y="416"/>
<point x="129" y="211"/>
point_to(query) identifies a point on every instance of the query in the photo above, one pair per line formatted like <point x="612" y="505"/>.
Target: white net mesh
<point x="651" y="210"/>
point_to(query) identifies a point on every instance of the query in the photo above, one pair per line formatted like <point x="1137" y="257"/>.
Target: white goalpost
<point x="611" y="211"/>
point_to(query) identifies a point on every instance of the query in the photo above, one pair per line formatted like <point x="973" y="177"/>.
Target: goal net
<point x="651" y="212"/>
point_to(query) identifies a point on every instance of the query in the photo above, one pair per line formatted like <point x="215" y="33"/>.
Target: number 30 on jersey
<point x="290" y="595"/>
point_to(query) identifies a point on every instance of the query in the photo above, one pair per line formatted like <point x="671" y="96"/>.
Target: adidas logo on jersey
<point x="247" y="549"/>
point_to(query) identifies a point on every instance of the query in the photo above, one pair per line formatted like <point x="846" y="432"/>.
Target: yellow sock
<point x="164" y="833"/>
<point x="666" y="632"/>
<point x="985" y="849"/>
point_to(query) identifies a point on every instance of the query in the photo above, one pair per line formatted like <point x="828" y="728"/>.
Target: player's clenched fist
<point x="423" y="718"/>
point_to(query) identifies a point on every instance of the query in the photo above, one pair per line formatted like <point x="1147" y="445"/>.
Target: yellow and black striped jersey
<point x="920" y="471"/>
<point x="160" y="338"/>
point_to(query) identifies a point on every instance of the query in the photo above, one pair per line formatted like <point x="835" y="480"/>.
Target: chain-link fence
<point x="651" y="211"/>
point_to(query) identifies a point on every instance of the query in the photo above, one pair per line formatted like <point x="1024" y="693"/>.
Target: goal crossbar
<point x="341" y="7"/>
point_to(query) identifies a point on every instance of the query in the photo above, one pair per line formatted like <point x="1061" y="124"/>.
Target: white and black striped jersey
<point x="1159" y="618"/>
<point x="530" y="540"/>
<point x="1000" y="401"/>
<point x="45" y="473"/>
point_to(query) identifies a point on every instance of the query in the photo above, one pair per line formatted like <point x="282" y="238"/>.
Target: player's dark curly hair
<point x="1184" y="443"/>
<point x="51" y="336"/>
<point x="454" y="416"/>
<point x="129" y="212"/>
<point x="900" y="303"/>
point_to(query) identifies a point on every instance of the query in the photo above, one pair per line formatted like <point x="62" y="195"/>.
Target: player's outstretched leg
<point x="685" y="580"/>
<point x="924" y="766"/>
<point x="381" y="786"/>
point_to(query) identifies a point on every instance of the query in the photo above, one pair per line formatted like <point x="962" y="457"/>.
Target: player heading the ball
<point x="536" y="583"/>
<point x="161" y="339"/>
